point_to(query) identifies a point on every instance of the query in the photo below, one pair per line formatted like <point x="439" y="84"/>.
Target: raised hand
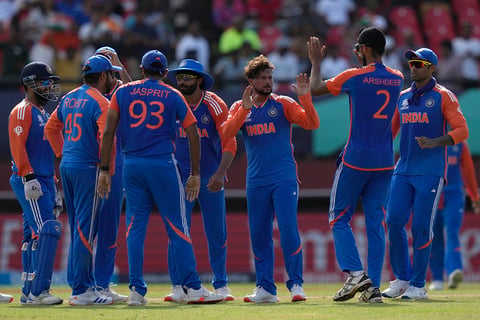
<point x="303" y="84"/>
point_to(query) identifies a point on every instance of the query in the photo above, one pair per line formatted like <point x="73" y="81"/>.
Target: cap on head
<point x="98" y="64"/>
<point x="194" y="67"/>
<point x="372" y="37"/>
<point x="154" y="60"/>
<point x="105" y="48"/>
<point x="37" y="71"/>
<point x="422" y="54"/>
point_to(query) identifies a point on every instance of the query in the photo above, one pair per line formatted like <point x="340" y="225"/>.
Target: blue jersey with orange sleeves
<point x="210" y="113"/>
<point x="148" y="112"/>
<point x="267" y="134"/>
<point x="29" y="147"/>
<point x="428" y="118"/>
<point x="461" y="171"/>
<point x="373" y="91"/>
<point x="82" y="114"/>
<point x="118" y="144"/>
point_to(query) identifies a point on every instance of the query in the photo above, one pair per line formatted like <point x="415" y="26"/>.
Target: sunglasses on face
<point x="185" y="77"/>
<point x="418" y="63"/>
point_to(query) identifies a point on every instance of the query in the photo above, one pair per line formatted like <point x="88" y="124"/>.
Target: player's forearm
<point x="225" y="162"/>
<point x="312" y="120"/>
<point x="234" y="122"/>
<point x="194" y="146"/>
<point x="316" y="80"/>
<point x="106" y="149"/>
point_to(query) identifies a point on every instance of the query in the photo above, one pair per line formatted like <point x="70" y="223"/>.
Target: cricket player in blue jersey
<point x="265" y="120"/>
<point x="145" y="113"/>
<point x="216" y="156"/>
<point x="423" y="112"/>
<point x="109" y="217"/>
<point x="74" y="132"/>
<point x="33" y="181"/>
<point x="446" y="252"/>
<point x="365" y="165"/>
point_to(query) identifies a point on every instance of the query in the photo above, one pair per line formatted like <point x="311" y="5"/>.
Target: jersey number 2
<point x="378" y="114"/>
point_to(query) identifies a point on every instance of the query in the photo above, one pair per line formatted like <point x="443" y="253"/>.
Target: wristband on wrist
<point x="104" y="168"/>
<point x="28" y="177"/>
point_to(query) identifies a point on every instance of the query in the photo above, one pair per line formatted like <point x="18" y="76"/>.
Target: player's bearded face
<point x="110" y="83"/>
<point x="187" y="89"/>
<point x="263" y="83"/>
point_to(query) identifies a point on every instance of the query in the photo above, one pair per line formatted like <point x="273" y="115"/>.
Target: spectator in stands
<point x="391" y="58"/>
<point x="228" y="72"/>
<point x="193" y="45"/>
<point x="333" y="63"/>
<point x="15" y="53"/>
<point x="265" y="11"/>
<point x="448" y="68"/>
<point x="287" y="66"/>
<point x="139" y="38"/>
<point x="104" y="28"/>
<point x="225" y="11"/>
<point x="467" y="48"/>
<point x="335" y="12"/>
<point x="234" y="37"/>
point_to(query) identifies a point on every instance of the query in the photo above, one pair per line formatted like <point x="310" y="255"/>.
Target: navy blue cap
<point x="422" y="54"/>
<point x="154" y="60"/>
<point x="37" y="71"/>
<point x="98" y="64"/>
<point x="194" y="67"/>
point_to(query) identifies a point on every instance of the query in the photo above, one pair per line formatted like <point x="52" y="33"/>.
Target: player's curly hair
<point x="257" y="65"/>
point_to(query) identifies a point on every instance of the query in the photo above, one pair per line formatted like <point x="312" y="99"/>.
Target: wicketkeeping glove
<point x="58" y="208"/>
<point x="33" y="189"/>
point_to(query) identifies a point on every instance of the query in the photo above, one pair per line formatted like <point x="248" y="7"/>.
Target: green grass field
<point x="462" y="303"/>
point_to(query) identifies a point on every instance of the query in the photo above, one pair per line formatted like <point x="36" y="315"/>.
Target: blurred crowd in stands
<point x="224" y="34"/>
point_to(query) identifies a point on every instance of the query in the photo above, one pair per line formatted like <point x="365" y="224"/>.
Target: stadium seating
<point x="404" y="21"/>
<point x="467" y="10"/>
<point x="438" y="25"/>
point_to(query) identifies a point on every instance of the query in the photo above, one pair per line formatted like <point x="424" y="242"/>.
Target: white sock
<point x="356" y="273"/>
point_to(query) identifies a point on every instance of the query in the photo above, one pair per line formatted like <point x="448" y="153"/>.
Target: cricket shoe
<point x="436" y="285"/>
<point x="88" y="298"/>
<point x="23" y="298"/>
<point x="225" y="293"/>
<point x="414" y="293"/>
<point x="177" y="294"/>
<point x="202" y="296"/>
<point x="297" y="293"/>
<point x="396" y="289"/>
<point x="109" y="292"/>
<point x="353" y="285"/>
<point x="455" y="278"/>
<point x="261" y="295"/>
<point x="44" y="298"/>
<point x="371" y="295"/>
<point x="5" y="298"/>
<point x="136" y="299"/>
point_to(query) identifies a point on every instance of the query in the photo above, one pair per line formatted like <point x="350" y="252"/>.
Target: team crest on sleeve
<point x="429" y="103"/>
<point x="18" y="130"/>
<point x="205" y="119"/>
<point x="272" y="112"/>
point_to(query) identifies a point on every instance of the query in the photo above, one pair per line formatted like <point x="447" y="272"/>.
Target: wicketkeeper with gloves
<point x="33" y="182"/>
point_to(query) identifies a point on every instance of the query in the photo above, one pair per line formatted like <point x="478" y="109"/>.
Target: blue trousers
<point x="349" y="186"/>
<point x="83" y="205"/>
<point x="415" y="196"/>
<point x="212" y="207"/>
<point x="446" y="252"/>
<point x="150" y="182"/>
<point x="264" y="203"/>
<point x="108" y="222"/>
